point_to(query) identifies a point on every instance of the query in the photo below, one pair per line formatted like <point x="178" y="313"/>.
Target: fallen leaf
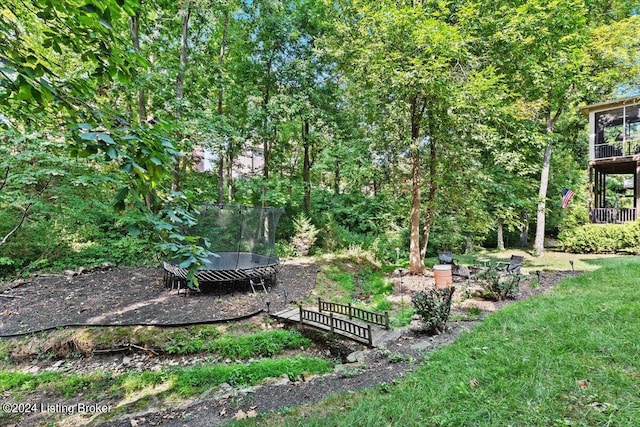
<point x="240" y="415"/>
<point x="474" y="383"/>
<point x="583" y="384"/>
<point x="223" y="412"/>
<point x="252" y="413"/>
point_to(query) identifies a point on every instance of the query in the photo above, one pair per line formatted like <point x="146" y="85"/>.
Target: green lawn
<point x="570" y="357"/>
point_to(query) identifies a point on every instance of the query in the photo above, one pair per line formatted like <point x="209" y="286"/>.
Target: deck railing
<point x="613" y="215"/>
<point x="360" y="332"/>
<point x="629" y="147"/>
<point x="354" y="312"/>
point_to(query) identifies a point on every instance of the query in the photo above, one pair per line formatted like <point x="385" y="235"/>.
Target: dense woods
<point x="415" y="125"/>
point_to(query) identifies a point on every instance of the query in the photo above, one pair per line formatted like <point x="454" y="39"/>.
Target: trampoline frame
<point x="249" y="267"/>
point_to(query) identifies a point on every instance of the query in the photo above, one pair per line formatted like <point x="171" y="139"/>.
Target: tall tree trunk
<point x="538" y="246"/>
<point x="135" y="39"/>
<point x="306" y="166"/>
<point x="142" y="101"/>
<point x="524" y="232"/>
<point x="266" y="147"/>
<point x="223" y="44"/>
<point x="185" y="14"/>
<point x="433" y="184"/>
<point x="500" y="231"/>
<point x="416" y="264"/>
<point x="230" y="159"/>
<point x="336" y="182"/>
<point x="220" y="177"/>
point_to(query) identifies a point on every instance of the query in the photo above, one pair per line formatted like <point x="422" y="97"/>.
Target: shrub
<point x="305" y="235"/>
<point x="433" y="306"/>
<point x="499" y="286"/>
<point x="599" y="238"/>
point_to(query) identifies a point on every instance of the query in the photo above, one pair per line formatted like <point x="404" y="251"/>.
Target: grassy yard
<point x="565" y="358"/>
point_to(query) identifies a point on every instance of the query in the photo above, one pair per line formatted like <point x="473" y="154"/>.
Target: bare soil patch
<point x="137" y="296"/>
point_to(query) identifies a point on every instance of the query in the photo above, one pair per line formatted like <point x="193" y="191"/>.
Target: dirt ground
<point x="119" y="296"/>
<point x="137" y="296"/>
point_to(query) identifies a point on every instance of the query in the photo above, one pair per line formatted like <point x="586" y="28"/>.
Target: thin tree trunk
<point x="135" y="39"/>
<point x="306" y="166"/>
<point x="142" y="101"/>
<point x="538" y="246"/>
<point x="223" y="44"/>
<point x="185" y="13"/>
<point x="524" y="233"/>
<point x="230" y="173"/>
<point x="433" y="186"/>
<point x="416" y="264"/>
<point x="221" y="177"/>
<point x="336" y="182"/>
<point x="266" y="148"/>
<point x="500" y="231"/>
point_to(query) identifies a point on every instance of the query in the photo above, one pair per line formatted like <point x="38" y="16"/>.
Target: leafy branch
<point x="26" y="210"/>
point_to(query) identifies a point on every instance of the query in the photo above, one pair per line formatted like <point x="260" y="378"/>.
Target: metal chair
<point x="512" y="266"/>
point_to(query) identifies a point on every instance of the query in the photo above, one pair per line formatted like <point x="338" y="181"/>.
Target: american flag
<point x="567" y="195"/>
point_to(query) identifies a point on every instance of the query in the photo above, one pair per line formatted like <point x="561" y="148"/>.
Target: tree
<point x="550" y="54"/>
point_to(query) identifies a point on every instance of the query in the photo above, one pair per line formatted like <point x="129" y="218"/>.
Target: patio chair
<point x="512" y="266"/>
<point x="446" y="258"/>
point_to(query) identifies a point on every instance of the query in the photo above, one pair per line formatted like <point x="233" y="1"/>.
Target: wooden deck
<point x="371" y="335"/>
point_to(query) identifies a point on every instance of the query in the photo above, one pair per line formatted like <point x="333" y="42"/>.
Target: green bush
<point x="499" y="286"/>
<point x="599" y="238"/>
<point x="433" y="306"/>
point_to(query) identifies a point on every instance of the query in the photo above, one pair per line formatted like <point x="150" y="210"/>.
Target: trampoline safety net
<point x="242" y="244"/>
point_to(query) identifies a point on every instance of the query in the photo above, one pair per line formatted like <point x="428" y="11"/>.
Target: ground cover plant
<point x="567" y="357"/>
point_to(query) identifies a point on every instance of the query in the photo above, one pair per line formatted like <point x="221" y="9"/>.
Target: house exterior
<point x="614" y="160"/>
<point x="247" y="164"/>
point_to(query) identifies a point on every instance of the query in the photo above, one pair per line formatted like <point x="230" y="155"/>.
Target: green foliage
<point x="184" y="381"/>
<point x="601" y="238"/>
<point x="433" y="306"/>
<point x="345" y="280"/>
<point x="17" y="381"/>
<point x="190" y="382"/>
<point x="264" y="344"/>
<point x="401" y="317"/>
<point x="498" y="285"/>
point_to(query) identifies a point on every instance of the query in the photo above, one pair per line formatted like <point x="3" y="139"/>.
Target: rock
<point x="479" y="304"/>
<point x="356" y="357"/>
<point x="281" y="380"/>
<point x="126" y="360"/>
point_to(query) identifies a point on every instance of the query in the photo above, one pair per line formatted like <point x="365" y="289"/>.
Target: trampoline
<point x="242" y="248"/>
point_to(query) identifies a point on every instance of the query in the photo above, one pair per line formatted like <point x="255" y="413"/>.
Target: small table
<point x="484" y="261"/>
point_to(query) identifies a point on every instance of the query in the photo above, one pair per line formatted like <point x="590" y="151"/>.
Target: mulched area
<point x="133" y="296"/>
